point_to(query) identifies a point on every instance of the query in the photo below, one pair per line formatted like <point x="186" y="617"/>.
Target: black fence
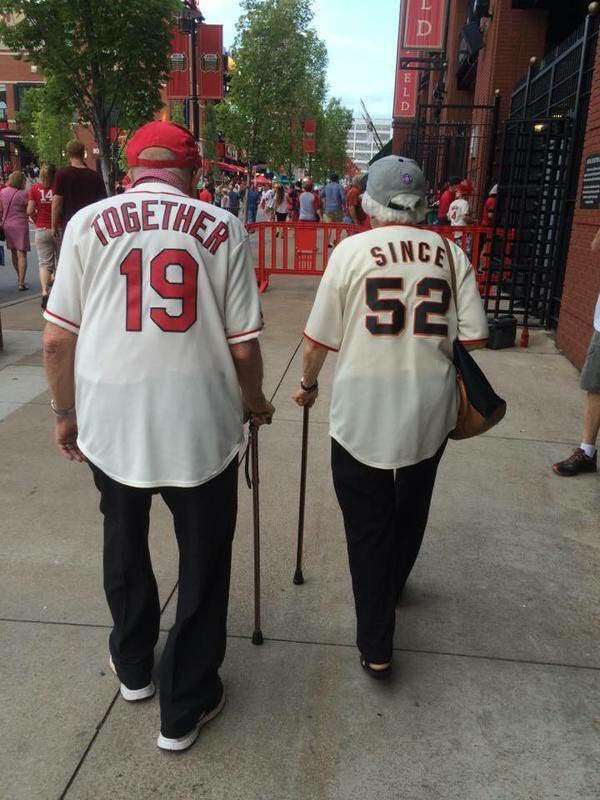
<point x="542" y="144"/>
<point x="457" y="140"/>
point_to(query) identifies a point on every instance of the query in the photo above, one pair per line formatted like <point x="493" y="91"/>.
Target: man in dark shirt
<point x="234" y="201"/>
<point x="75" y="186"/>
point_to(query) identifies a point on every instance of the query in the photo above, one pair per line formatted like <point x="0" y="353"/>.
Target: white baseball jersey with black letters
<point x="156" y="285"/>
<point x="385" y="303"/>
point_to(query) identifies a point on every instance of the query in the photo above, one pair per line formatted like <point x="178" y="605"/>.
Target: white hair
<point x="406" y="216"/>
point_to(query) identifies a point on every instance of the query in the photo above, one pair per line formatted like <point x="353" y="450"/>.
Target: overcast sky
<point x="361" y="41"/>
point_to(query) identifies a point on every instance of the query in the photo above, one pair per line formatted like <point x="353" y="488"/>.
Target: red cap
<point x="171" y="137"/>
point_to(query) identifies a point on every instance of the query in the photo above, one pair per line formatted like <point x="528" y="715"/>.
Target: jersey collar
<point x="156" y="187"/>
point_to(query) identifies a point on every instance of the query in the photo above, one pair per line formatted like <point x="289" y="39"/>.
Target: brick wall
<point x="582" y="275"/>
<point x="511" y="38"/>
<point x="14" y="71"/>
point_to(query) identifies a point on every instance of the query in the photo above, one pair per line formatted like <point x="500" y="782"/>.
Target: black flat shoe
<point x="379" y="674"/>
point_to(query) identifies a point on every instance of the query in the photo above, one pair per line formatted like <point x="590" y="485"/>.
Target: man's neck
<point x="77" y="162"/>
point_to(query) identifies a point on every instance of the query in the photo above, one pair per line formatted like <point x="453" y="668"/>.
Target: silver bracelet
<point x="61" y="412"/>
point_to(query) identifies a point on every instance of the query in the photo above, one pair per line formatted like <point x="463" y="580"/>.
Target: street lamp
<point x="189" y="19"/>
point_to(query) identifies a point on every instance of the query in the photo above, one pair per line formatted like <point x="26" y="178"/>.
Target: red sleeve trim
<point x="473" y="341"/>
<point x="315" y="341"/>
<point x="245" y="333"/>
<point x="62" y="319"/>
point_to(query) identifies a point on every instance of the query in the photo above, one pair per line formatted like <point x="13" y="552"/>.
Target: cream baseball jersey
<point x="157" y="285"/>
<point x="385" y="303"/>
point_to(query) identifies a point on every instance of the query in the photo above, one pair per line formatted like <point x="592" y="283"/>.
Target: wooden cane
<point x="257" y="636"/>
<point x="298" y="576"/>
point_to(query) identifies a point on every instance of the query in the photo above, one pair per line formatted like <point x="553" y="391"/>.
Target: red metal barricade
<point x="303" y="248"/>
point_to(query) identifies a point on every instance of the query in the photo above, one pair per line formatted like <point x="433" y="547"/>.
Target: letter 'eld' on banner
<point x="424" y="22"/>
<point x="406" y="88"/>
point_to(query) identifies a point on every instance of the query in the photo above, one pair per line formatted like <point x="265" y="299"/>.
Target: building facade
<point x="16" y="77"/>
<point x="516" y="101"/>
<point x="362" y="144"/>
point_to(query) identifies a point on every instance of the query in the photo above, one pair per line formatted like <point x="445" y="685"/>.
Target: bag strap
<point x="452" y="270"/>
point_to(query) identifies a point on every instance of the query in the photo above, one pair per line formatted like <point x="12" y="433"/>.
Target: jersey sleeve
<point x="243" y="317"/>
<point x="472" y="322"/>
<point x="64" y="304"/>
<point x="325" y="322"/>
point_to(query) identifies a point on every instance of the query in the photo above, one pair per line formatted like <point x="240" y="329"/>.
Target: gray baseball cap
<point x="396" y="182"/>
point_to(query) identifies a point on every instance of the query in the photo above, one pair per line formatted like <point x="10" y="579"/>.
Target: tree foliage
<point x="45" y="125"/>
<point x="106" y="58"/>
<point x="278" y="81"/>
<point x="333" y="125"/>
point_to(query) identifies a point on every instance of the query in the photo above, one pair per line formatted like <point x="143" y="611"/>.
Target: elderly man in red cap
<point x="152" y="360"/>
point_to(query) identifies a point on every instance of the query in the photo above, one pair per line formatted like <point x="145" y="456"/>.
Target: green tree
<point x="333" y="125"/>
<point x="45" y="126"/>
<point x="107" y="59"/>
<point x="277" y="82"/>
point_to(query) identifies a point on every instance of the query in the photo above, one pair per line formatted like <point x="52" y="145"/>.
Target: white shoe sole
<point x="188" y="740"/>
<point x="133" y="695"/>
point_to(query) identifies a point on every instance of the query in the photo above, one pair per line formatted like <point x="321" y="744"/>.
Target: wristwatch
<point x="309" y="388"/>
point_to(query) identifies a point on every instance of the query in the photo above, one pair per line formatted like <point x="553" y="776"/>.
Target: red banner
<point x="424" y="23"/>
<point x="310" y="142"/>
<point x="178" y="86"/>
<point x="210" y="62"/>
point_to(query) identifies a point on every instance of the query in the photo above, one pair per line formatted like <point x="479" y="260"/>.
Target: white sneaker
<point x="132" y="695"/>
<point x="188" y="740"/>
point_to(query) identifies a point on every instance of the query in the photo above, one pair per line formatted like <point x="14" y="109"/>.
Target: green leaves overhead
<point x="279" y="81"/>
<point x="109" y="59"/>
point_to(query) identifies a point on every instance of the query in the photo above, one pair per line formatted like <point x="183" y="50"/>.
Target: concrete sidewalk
<point x="496" y="694"/>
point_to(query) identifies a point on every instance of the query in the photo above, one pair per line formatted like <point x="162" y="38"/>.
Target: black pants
<point x="385" y="517"/>
<point x="204" y="518"/>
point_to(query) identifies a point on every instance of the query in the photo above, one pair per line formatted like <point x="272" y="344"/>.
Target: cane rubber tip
<point x="298" y="578"/>
<point x="257" y="637"/>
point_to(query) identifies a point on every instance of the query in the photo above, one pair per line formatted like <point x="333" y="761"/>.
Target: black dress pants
<point x="385" y="517"/>
<point x="204" y="518"/>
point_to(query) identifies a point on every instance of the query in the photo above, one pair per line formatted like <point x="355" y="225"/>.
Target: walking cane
<point x="298" y="576"/>
<point x="257" y="637"/>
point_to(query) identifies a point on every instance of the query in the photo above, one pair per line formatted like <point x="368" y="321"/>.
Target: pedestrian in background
<point x="268" y="202"/>
<point x="394" y="396"/>
<point x="252" y="204"/>
<point x="307" y="203"/>
<point x="39" y="210"/>
<point x="333" y="199"/>
<point x="205" y="195"/>
<point x="489" y="208"/>
<point x="225" y="196"/>
<point x="14" y="220"/>
<point x="447" y="196"/>
<point x="76" y="186"/>
<point x="585" y="457"/>
<point x="281" y="203"/>
<point x="294" y="198"/>
<point x="234" y="201"/>
<point x="353" y="201"/>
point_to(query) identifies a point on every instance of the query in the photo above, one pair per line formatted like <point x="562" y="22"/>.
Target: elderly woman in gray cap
<point x="386" y="306"/>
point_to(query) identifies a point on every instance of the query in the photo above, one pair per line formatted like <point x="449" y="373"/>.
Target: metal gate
<point x="522" y="275"/>
<point x="460" y="140"/>
<point x="538" y="176"/>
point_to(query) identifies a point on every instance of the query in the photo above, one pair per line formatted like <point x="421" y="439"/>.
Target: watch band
<point x="309" y="388"/>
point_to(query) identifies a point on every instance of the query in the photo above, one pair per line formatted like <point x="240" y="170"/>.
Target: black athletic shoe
<point x="576" y="463"/>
